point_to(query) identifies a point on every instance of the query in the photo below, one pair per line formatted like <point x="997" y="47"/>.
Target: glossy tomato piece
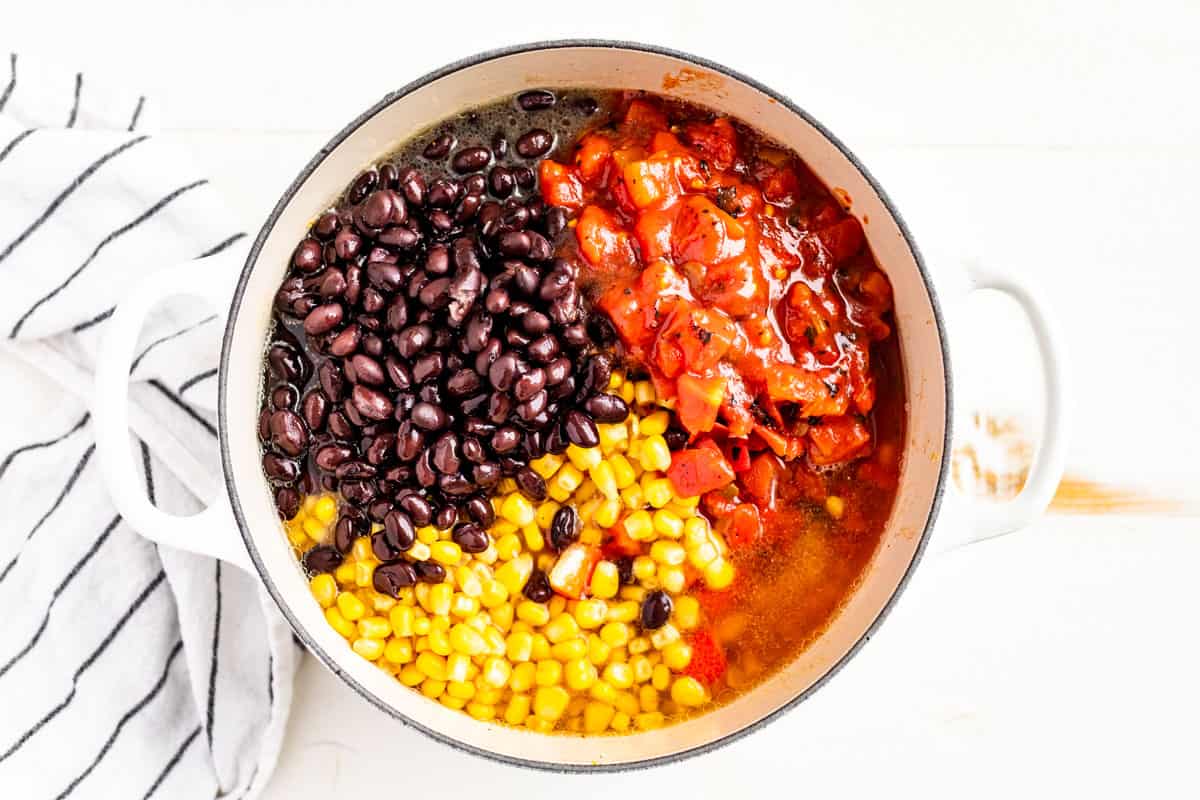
<point x="705" y="233"/>
<point x="837" y="439"/>
<point x="603" y="241"/>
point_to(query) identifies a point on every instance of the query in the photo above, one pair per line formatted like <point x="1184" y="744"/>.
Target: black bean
<point x="555" y="441"/>
<point x="323" y="319"/>
<point x="400" y="529"/>
<point x="307" y="257"/>
<point x="486" y="475"/>
<point x="417" y="508"/>
<point x="524" y="176"/>
<point x="489" y="219"/>
<point x="556" y="221"/>
<point x="475" y="184"/>
<point x="326" y="225"/>
<point x="516" y="339"/>
<point x="353" y="284"/>
<point x="470" y="537"/>
<point x="504" y="371"/>
<point x="354" y="470"/>
<point x="564" y="528"/>
<point x="526" y="279"/>
<point x="429" y="571"/>
<point x="443" y="193"/>
<point x="322" y="558"/>
<point x="413" y="340"/>
<point x="412" y="185"/>
<point x="470" y="159"/>
<point x="575" y="336"/>
<point x="390" y="579"/>
<point x="488" y="355"/>
<point x="287" y="363"/>
<point x="597" y="374"/>
<point x="557" y="370"/>
<point x="280" y="469"/>
<point x="607" y="408"/>
<point x="370" y="403"/>
<point x="535" y="143"/>
<point x="288" y="433"/>
<point x="532" y="409"/>
<point x="505" y="439"/>
<point x="366" y="370"/>
<point x="529" y="384"/>
<point x="347" y="244"/>
<point x="388" y="176"/>
<point x="581" y="429"/>
<point x="535" y="323"/>
<point x="480" y="509"/>
<point x="625" y="571"/>
<point x="284" y="396"/>
<point x="358" y="493"/>
<point x="428" y="416"/>
<point x="440" y="147"/>
<point x="656" y="609"/>
<point x="339" y="425"/>
<point x="445" y="453"/>
<point x="501" y="182"/>
<point x="514" y="218"/>
<point x="314" y="408"/>
<point x="676" y="439"/>
<point x="346" y="342"/>
<point x="531" y="484"/>
<point x="535" y="99"/>
<point x="446" y="516"/>
<point x="538" y="588"/>
<point x="497" y="301"/>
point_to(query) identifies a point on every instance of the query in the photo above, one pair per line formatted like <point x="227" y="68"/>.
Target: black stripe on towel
<point x="119" y="232"/>
<point x="149" y="470"/>
<point x="8" y="459"/>
<point x="212" y="672"/>
<point x="130" y="714"/>
<point x="86" y="665"/>
<point x="191" y="412"/>
<point x="75" y="105"/>
<point x="137" y="113"/>
<point x="212" y="251"/>
<point x="12" y="82"/>
<point x="96" y="320"/>
<point x="192" y="381"/>
<point x="87" y="454"/>
<point x="8" y="148"/>
<point x="162" y="776"/>
<point x="75" y="570"/>
<point x="168" y="338"/>
<point x="65" y="193"/>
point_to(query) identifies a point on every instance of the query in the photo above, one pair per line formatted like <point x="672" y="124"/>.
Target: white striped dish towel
<point x="126" y="669"/>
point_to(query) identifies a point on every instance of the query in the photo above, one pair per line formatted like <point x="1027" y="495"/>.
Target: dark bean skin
<point x="516" y="339"/>
<point x="440" y="147"/>
<point x="413" y="340"/>
<point x="555" y="441"/>
<point x="346" y="342"/>
<point x="501" y="182"/>
<point x="445" y="453"/>
<point x="535" y="143"/>
<point x="429" y="571"/>
<point x="418" y="509"/>
<point x="389" y="579"/>
<point x="497" y="301"/>
<point x="470" y="537"/>
<point x="445" y="518"/>
<point x="428" y="417"/>
<point x="287" y="502"/>
<point x="485" y="475"/>
<point x="353" y="470"/>
<point x="347" y="244"/>
<point x="531" y="484"/>
<point x="326" y="225"/>
<point x="607" y="408"/>
<point x="366" y="370"/>
<point x="535" y="323"/>
<point x="470" y="159"/>
<point x="557" y="370"/>
<point x="409" y="440"/>
<point x="524" y="176"/>
<point x="436" y="294"/>
<point x="505" y="439"/>
<point x="581" y="429"/>
<point x="288" y="433"/>
<point x="556" y="221"/>
<point x="625" y="571"/>
<point x="564" y="528"/>
<point x="443" y="193"/>
<point x="322" y="558"/>
<point x="536" y="99"/>
<point x="538" y="588"/>
<point x="284" y="396"/>
<point x="504" y="371"/>
<point x="364" y="183"/>
<point x="529" y="384"/>
<point x="656" y="610"/>
<point x="323" y="319"/>
<point x="331" y="455"/>
<point x="514" y="244"/>
<point x="428" y="366"/>
<point x="339" y="425"/>
<point x="411" y="184"/>
<point x="280" y="469"/>
<point x="513" y="219"/>
<point x="383" y="276"/>
<point x="532" y="409"/>
<point x="315" y="409"/>
<point x="480" y="510"/>
<point x="400" y="528"/>
<point x="358" y="493"/>
<point x="676" y="439"/>
<point x="287" y="363"/>
<point x="307" y="257"/>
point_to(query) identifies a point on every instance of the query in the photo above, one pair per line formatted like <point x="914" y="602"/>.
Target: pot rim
<point x="329" y="660"/>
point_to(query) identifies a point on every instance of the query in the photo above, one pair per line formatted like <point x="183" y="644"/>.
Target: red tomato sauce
<point x="749" y="295"/>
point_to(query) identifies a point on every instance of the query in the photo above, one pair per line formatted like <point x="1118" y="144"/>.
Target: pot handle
<point x="212" y="532"/>
<point x="986" y="520"/>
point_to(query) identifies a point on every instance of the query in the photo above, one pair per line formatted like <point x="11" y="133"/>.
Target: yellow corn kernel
<point x="514" y="574"/>
<point x="465" y="639"/>
<point x="603" y="692"/>
<point x="687" y="612"/>
<point x="522" y="677"/>
<point x="325" y="509"/>
<point x="502" y="615"/>
<point x="313" y="528"/>
<point x="644" y="568"/>
<point x="628" y="703"/>
<point x="655" y="424"/>
<point x="518" y="510"/>
<point x="667" y="552"/>
<point x="605" y="583"/>
<point x="422" y="626"/>
<point x="687" y="691"/>
<point x="607" y="513"/>
<point x="658" y="492"/>
<point x="664" y="636"/>
<point x="597" y="650"/>
<point x="398" y="651"/>
<point x="439" y="642"/>
<point x="463" y="690"/>
<point x="351" y="607"/>
<point x="644" y="394"/>
<point x="660" y="679"/>
<point x="411" y="675"/>
<point x="494" y="595"/>
<point x="667" y="523"/>
<point x="650" y="720"/>
<point x="580" y="674"/>
<point x="604" y="478"/>
<point x="547" y="465"/>
<point x="533" y="613"/>
<point x="642" y="668"/>
<point x="427" y="534"/>
<point x="635" y="593"/>
<point x="597" y="716"/>
<point x="718" y="574"/>
<point x="440" y="598"/>
<point x="672" y="579"/>
<point x="508" y="546"/>
<point x="533" y="537"/>
<point x="481" y="711"/>
<point x="501" y="526"/>
<point x="648" y="698"/>
<point x="550" y="702"/>
<point x="548" y="673"/>
<point x="494" y="640"/>
<point x="585" y="492"/>
<point x="655" y="454"/>
<point x="695" y="531"/>
<point x="374" y="628"/>
<point x="541" y="647"/>
<point x="835" y="506"/>
<point x="619" y="675"/>
<point x="625" y="611"/>
<point x="467" y="581"/>
<point x="613" y="437"/>
<point x="570" y="649"/>
<point x="458" y="667"/>
<point x="639" y="526"/>
<point x="620" y="721"/>
<point x="584" y="458"/>
<point x="339" y="623"/>
<point x="324" y="589"/>
<point x="517" y="709"/>
<point x="519" y="646"/>
<point x="561" y="628"/>
<point x="615" y="634"/>
<point x="616" y="379"/>
<point x="591" y="613"/>
<point x="622" y="470"/>
<point x="432" y="688"/>
<point x="506" y="486"/>
<point x="627" y="391"/>
<point x="432" y="665"/>
<point x="677" y="655"/>
<point x="638" y="644"/>
<point x="545" y="514"/>
<point x="487" y="694"/>
<point x="703" y="554"/>
<point x="496" y="672"/>
<point x="364" y="571"/>
<point x="565" y="482"/>
<point x="464" y="607"/>
<point x="445" y="552"/>
<point x="591" y="535"/>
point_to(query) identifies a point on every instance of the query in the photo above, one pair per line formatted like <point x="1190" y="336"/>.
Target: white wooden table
<point x="1066" y="145"/>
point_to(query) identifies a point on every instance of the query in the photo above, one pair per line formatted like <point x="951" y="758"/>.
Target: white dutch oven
<point x="247" y="499"/>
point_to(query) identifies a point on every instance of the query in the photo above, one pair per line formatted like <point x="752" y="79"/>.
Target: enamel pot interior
<point x="585" y="65"/>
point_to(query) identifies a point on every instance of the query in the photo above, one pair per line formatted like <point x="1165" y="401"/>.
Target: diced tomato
<point x="620" y="543"/>
<point x="818" y="394"/>
<point x="708" y="660"/>
<point x="761" y="481"/>
<point x="716" y="141"/>
<point x="625" y="308"/>
<point x="780" y="185"/>
<point x="745" y="526"/>
<point x="645" y="115"/>
<point x="842" y="240"/>
<point x="699" y="400"/>
<point x="595" y="149"/>
<point x="717" y="505"/>
<point x="572" y="572"/>
<point x="703" y="336"/>
<point x="653" y="232"/>
<point x="561" y="185"/>
<point x="735" y="407"/>
<point x="705" y="233"/>
<point x="697" y="470"/>
<point x="652" y="182"/>
<point x="737" y="453"/>
<point x="735" y="286"/>
<point x="837" y="439"/>
<point x="786" y="447"/>
<point x="603" y="241"/>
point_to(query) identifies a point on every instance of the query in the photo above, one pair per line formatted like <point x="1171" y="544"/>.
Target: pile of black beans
<point x="428" y="342"/>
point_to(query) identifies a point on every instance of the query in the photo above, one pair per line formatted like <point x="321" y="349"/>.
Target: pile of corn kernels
<point x="475" y="642"/>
